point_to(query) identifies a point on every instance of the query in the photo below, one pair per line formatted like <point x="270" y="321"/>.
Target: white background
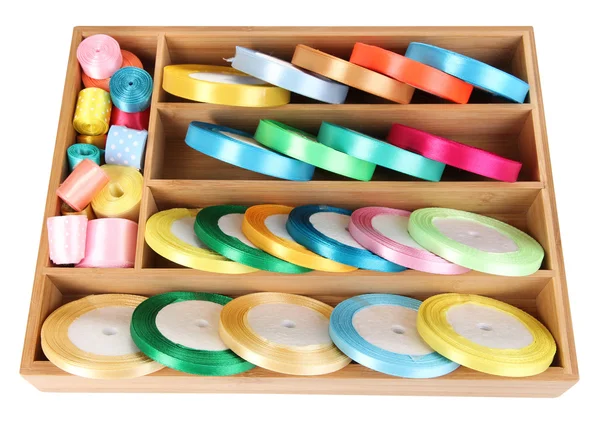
<point x="35" y="46"/>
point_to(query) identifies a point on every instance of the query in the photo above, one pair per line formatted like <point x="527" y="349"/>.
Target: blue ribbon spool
<point x="372" y="328"/>
<point x="131" y="89"/>
<point x="80" y="151"/>
<point x="327" y="235"/>
<point x="472" y="71"/>
<point x="240" y="149"/>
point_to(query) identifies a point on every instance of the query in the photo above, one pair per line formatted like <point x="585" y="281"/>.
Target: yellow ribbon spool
<point x="316" y="354"/>
<point x="255" y="229"/>
<point x="161" y="238"/>
<point x="121" y="197"/>
<point x="98" y="141"/>
<point x="532" y="356"/>
<point x="68" y="210"/>
<point x="221" y="85"/>
<point x="62" y="352"/>
<point x="92" y="113"/>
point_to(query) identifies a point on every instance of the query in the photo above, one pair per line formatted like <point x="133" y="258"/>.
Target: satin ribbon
<point x="110" y="243"/>
<point x="80" y="151"/>
<point x="161" y="238"/>
<point x="313" y="359"/>
<point x="99" y="56"/>
<point x="456" y="154"/>
<point x="59" y="349"/>
<point x="302" y="229"/>
<point x="66" y="238"/>
<point x="526" y="260"/>
<point x="129" y="60"/>
<point x="126" y="147"/>
<point x="136" y="121"/>
<point x="221" y="85"/>
<point x="92" y="113"/>
<point x="304" y="147"/>
<point x="67" y="210"/>
<point x="287" y="76"/>
<point x="98" y="141"/>
<point x="131" y="89"/>
<point x="388" y="246"/>
<point x="436" y="330"/>
<point x="121" y="197"/>
<point x="154" y="344"/>
<point x="352" y="75"/>
<point x="255" y="229"/>
<point x="82" y="185"/>
<point x="472" y="71"/>
<point x="378" y="152"/>
<point x="207" y="228"/>
<point x="411" y="72"/>
<point x="240" y="149"/>
<point x="345" y="336"/>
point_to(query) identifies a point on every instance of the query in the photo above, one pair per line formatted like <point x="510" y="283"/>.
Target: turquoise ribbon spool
<point x="131" y="89"/>
<point x="80" y="151"/>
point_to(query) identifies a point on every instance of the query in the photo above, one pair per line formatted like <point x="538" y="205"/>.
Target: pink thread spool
<point x="66" y="238"/>
<point x="110" y="243"/>
<point x="99" y="56"/>
<point x="80" y="187"/>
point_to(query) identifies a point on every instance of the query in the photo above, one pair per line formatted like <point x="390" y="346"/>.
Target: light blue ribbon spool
<point x="287" y="76"/>
<point x="388" y="322"/>
<point x="80" y="151"/>
<point x="125" y="146"/>
<point x="131" y="89"/>
<point x="240" y="149"/>
<point x="472" y="71"/>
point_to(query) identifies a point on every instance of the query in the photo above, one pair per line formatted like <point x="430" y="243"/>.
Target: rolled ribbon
<point x="92" y="113"/>
<point x="66" y="238"/>
<point x="221" y="85"/>
<point x="110" y="243"/>
<point x="472" y="71"/>
<point x="129" y="60"/>
<point x="99" y="56"/>
<point x="68" y="210"/>
<point x="80" y="151"/>
<point x="126" y="147"/>
<point x="378" y="152"/>
<point x="131" y="89"/>
<point x="324" y="230"/>
<point x="136" y="121"/>
<point x="82" y="185"/>
<point x="121" y="197"/>
<point x="304" y="147"/>
<point x="98" y="141"/>
<point x="352" y="75"/>
<point x="486" y="335"/>
<point x="379" y="331"/>
<point x="287" y="76"/>
<point x="240" y="149"/>
<point x="456" y="154"/>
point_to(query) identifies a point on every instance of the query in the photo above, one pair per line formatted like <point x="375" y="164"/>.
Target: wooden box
<point x="174" y="175"/>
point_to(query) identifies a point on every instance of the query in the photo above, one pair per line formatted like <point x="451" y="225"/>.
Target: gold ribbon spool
<point x="98" y="141"/>
<point x="68" y="210"/>
<point x="63" y="353"/>
<point x="92" y="113"/>
<point x="121" y="197"/>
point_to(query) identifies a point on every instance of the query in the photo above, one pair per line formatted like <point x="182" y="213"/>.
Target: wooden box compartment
<point x="177" y="176"/>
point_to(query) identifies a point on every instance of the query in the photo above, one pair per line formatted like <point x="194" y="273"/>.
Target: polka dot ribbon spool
<point x="129" y="60"/>
<point x="66" y="238"/>
<point x="110" y="243"/>
<point x="99" y="56"/>
<point x="121" y="197"/>
<point x="131" y="89"/>
<point x="92" y="112"/>
<point x="126" y="146"/>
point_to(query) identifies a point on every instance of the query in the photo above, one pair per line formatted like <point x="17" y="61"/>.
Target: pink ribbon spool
<point x="66" y="238"/>
<point x="80" y="187"/>
<point x="99" y="56"/>
<point x="398" y="247"/>
<point x="110" y="243"/>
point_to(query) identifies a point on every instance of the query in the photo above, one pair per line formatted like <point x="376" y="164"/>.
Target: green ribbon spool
<point x="208" y="231"/>
<point x="154" y="344"/>
<point x="304" y="147"/>
<point x="80" y="151"/>
<point x="378" y="152"/>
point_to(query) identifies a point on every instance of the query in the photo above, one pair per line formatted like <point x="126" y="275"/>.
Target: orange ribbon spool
<point x="411" y="72"/>
<point x="129" y="59"/>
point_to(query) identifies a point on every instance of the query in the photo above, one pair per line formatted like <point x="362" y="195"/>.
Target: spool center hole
<point x="109" y="331"/>
<point x="115" y="190"/>
<point x="201" y="323"/>
<point x="130" y="83"/>
<point x="288" y="323"/>
<point x="399" y="330"/>
<point x="473" y="234"/>
<point x="484" y="326"/>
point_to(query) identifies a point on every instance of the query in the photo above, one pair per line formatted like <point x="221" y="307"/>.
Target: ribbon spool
<point x="486" y="335"/>
<point x="411" y="72"/>
<point x="220" y="228"/>
<point x="131" y="89"/>
<point x="284" y="333"/>
<point x="90" y="338"/>
<point x="379" y="331"/>
<point x="472" y="71"/>
<point x="455" y="154"/>
<point x="324" y="230"/>
<point x="135" y="121"/>
<point x="170" y="233"/>
<point x="99" y="56"/>
<point x="82" y="185"/>
<point x="221" y="85"/>
<point x="265" y="227"/>
<point x="304" y="147"/>
<point x="476" y="242"/>
<point x="287" y="76"/>
<point x="126" y="146"/>
<point x="66" y="238"/>
<point x="121" y="197"/>
<point x="110" y="243"/>
<point x="181" y="330"/>
<point x="384" y="231"/>
<point x="352" y="75"/>
<point x="98" y="141"/>
<point x="240" y="149"/>
<point x="80" y="151"/>
<point x="377" y="152"/>
<point x="129" y="60"/>
<point x="66" y="210"/>
<point x="92" y="113"/>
